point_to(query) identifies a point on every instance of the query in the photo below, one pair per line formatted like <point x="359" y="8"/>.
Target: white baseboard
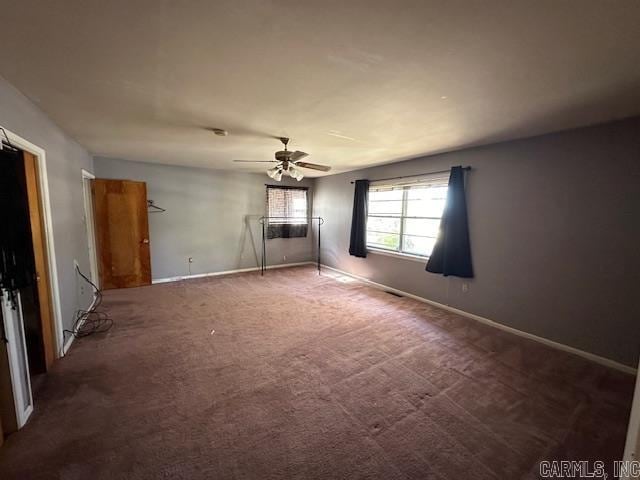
<point x="67" y="344"/>
<point x="560" y="346"/>
<point x="226" y="272"/>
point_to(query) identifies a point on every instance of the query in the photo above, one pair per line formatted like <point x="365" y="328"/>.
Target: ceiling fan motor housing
<point x="283" y="155"/>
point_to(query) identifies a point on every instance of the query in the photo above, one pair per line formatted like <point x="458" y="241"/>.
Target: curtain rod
<point x="290" y="187"/>
<point x="415" y="175"/>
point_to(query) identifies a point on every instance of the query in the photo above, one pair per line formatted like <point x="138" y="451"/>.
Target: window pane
<point x="389" y="220"/>
<point x="382" y="224"/>
<point x="389" y="241"/>
<point x="418" y="245"/>
<point x="287" y="203"/>
<point x="393" y="207"/>
<point x="416" y="193"/>
<point x="426" y="201"/>
<point x="376" y="196"/>
<point x="299" y="208"/>
<point x="385" y="202"/>
<point x="422" y="227"/>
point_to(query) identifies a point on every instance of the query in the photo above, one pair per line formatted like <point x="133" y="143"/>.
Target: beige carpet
<point x="296" y="375"/>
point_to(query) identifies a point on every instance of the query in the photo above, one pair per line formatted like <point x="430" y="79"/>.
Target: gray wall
<point x="212" y="216"/>
<point x="65" y="160"/>
<point x="555" y="232"/>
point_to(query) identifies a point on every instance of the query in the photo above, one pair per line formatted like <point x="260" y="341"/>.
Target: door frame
<point x="632" y="446"/>
<point x="43" y="186"/>
<point x="90" y="225"/>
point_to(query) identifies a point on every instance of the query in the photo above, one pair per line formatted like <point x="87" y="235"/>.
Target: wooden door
<point x="41" y="257"/>
<point x="122" y="233"/>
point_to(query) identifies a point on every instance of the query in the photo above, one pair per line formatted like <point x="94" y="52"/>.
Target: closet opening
<point x="28" y="347"/>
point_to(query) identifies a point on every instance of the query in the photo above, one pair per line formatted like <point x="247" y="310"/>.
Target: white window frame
<point x="400" y="253"/>
<point x="392" y="253"/>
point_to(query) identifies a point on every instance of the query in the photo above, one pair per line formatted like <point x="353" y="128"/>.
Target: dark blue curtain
<point x="358" y="242"/>
<point x="452" y="252"/>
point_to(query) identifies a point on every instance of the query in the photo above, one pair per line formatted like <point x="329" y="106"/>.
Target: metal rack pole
<point x="264" y="253"/>
<point x="263" y="220"/>
<point x="319" y="245"/>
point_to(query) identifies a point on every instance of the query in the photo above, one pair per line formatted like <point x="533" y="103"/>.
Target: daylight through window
<point x="406" y="218"/>
<point x="287" y="210"/>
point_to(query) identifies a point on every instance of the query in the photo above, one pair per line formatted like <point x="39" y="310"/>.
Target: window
<point x="289" y="205"/>
<point x="406" y="218"/>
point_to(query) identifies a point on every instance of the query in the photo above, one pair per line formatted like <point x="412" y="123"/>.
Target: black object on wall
<point x="452" y="252"/>
<point x="358" y="242"/>
<point x="17" y="265"/>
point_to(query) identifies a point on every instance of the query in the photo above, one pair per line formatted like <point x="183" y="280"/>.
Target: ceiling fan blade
<point x="256" y="161"/>
<point x="297" y="155"/>
<point x="313" y="166"/>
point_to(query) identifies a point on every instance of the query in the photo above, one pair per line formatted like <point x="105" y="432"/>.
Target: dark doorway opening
<point x="14" y="204"/>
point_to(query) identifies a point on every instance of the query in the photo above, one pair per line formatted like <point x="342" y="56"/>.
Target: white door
<point x="18" y="361"/>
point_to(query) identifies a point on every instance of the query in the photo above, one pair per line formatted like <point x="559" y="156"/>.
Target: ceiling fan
<point x="288" y="162"/>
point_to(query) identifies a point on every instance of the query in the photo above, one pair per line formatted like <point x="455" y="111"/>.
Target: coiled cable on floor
<point x="88" y="322"/>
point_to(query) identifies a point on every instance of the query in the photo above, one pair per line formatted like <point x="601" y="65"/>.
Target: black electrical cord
<point x="88" y="322"/>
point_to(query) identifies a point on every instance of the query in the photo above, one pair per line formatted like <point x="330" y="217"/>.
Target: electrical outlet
<point x="465" y="287"/>
<point x="79" y="281"/>
<point x="190" y="259"/>
<point x="284" y="258"/>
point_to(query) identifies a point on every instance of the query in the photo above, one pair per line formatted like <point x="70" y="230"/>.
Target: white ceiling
<point x="354" y="83"/>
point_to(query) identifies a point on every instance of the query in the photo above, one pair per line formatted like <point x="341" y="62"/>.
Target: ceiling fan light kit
<point x="295" y="173"/>
<point x="289" y="162"/>
<point x="275" y="173"/>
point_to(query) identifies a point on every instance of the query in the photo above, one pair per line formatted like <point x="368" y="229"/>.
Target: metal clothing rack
<point x="264" y="220"/>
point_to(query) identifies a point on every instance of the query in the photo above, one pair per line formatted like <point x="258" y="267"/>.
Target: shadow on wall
<point x="247" y="233"/>
<point x="329" y="256"/>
